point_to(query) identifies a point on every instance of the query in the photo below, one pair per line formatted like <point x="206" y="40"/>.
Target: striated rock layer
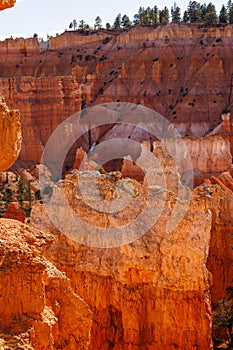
<point x="182" y="71"/>
<point x="45" y="102"/>
<point x="208" y="155"/>
<point x="153" y="292"/>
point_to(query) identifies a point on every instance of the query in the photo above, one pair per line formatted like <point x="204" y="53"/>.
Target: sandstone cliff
<point x="152" y="292"/>
<point x="38" y="308"/>
<point x="181" y="71"/>
<point x="208" y="155"/>
<point x="44" y="103"/>
<point x="10" y="130"/>
<point x="12" y="49"/>
<point x="220" y="260"/>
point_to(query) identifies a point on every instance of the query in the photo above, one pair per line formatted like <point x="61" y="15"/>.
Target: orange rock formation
<point x="151" y="293"/>
<point x="181" y="71"/>
<point x="10" y="131"/>
<point x="14" y="211"/>
<point x="38" y="308"/>
<point x="208" y="156"/>
<point x="4" y="4"/>
<point x="220" y="260"/>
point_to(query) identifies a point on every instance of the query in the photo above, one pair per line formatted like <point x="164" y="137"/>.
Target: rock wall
<point x="12" y="49"/>
<point x="220" y="260"/>
<point x="15" y="211"/>
<point x="38" y="308"/>
<point x="152" y="292"/>
<point x="70" y="39"/>
<point x="208" y="156"/>
<point x="181" y="71"/>
<point x="44" y="104"/>
<point x="172" y="32"/>
<point x="10" y="130"/>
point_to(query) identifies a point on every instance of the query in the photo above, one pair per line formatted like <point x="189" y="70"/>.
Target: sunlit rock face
<point x="220" y="260"/>
<point x="38" y="308"/>
<point x="4" y="4"/>
<point x="10" y="139"/>
<point x="140" y="290"/>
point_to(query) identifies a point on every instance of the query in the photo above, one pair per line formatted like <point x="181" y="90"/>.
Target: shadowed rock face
<point x="181" y="71"/>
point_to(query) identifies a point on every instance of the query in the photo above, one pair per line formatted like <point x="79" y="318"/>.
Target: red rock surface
<point x="10" y="131"/>
<point x="44" y="102"/>
<point x="4" y="4"/>
<point x="208" y="156"/>
<point x="38" y="308"/>
<point x="13" y="49"/>
<point x="220" y="260"/>
<point x="181" y="71"/>
<point x="151" y="293"/>
<point x="14" y="211"/>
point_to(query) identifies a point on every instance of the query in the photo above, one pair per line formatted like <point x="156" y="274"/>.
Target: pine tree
<point x="29" y="192"/>
<point x="154" y="15"/>
<point x="117" y="22"/>
<point x="7" y="194"/>
<point x="125" y="22"/>
<point x="141" y="14"/>
<point x="164" y="15"/>
<point x="210" y="8"/>
<point x="75" y="24"/>
<point x="229" y="5"/>
<point x="203" y="10"/>
<point x="223" y="318"/>
<point x="147" y="16"/>
<point x="98" y="22"/>
<point x="223" y="17"/>
<point x="185" y="17"/>
<point x="230" y="15"/>
<point x="144" y="17"/>
<point x="211" y="19"/>
<point x="194" y="12"/>
<point x="136" y="19"/>
<point x="82" y="24"/>
<point x="21" y="191"/>
<point x="175" y="12"/>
